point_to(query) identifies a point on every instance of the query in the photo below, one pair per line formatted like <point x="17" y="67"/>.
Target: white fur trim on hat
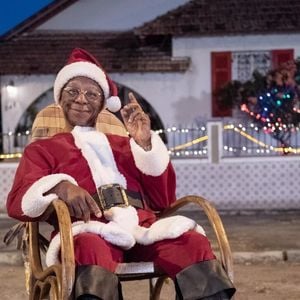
<point x="76" y="69"/>
<point x="34" y="202"/>
<point x="113" y="103"/>
<point x="153" y="162"/>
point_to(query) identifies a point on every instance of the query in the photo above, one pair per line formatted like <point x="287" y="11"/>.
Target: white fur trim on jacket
<point x="167" y="228"/>
<point x="81" y="68"/>
<point x="123" y="230"/>
<point x="111" y="232"/>
<point x="34" y="202"/>
<point x="153" y="162"/>
<point x="96" y="149"/>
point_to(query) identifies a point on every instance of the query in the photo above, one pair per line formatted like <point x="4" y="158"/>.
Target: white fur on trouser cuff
<point x="34" y="202"/>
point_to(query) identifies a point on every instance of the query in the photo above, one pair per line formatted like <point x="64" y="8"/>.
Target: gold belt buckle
<point x="105" y="203"/>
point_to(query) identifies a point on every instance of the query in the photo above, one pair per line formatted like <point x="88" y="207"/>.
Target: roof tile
<point x="46" y="52"/>
<point x="220" y="17"/>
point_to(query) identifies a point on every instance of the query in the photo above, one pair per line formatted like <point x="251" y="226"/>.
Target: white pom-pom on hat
<point x="113" y="103"/>
<point x="82" y="63"/>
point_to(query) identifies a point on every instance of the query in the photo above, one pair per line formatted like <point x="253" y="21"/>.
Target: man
<point x="74" y="166"/>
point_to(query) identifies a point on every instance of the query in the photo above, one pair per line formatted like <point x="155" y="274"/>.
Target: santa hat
<point x="82" y="63"/>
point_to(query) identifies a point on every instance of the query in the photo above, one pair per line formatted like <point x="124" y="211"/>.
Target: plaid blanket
<point x="50" y="121"/>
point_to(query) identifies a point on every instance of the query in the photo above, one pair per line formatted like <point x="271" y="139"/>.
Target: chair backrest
<point x="50" y="121"/>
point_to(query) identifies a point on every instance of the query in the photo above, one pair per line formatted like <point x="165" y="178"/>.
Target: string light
<point x="261" y="144"/>
<point x="181" y="150"/>
<point x="267" y="148"/>
<point x="10" y="156"/>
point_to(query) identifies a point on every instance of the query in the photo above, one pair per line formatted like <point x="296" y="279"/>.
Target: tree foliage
<point x="272" y="101"/>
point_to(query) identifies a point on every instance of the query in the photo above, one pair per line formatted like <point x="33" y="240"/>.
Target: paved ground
<point x="268" y="281"/>
<point x="266" y="249"/>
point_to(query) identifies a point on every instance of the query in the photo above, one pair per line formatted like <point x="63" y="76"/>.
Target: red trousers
<point x="170" y="256"/>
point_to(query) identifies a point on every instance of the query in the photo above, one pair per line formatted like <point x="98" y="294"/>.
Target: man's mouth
<point x="80" y="110"/>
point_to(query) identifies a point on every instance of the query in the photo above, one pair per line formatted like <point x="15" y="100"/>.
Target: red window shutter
<point x="221" y="74"/>
<point x="281" y="56"/>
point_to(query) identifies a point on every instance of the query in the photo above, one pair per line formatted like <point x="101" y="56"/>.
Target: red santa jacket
<point x="90" y="159"/>
<point x="67" y="156"/>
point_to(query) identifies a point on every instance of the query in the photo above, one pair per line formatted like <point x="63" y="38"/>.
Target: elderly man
<point x="74" y="166"/>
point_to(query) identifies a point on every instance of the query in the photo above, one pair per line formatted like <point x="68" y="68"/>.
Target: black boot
<point x="94" y="282"/>
<point x="88" y="297"/>
<point x="206" y="280"/>
<point x="218" y="296"/>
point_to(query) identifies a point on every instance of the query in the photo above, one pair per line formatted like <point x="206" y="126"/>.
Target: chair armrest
<point x="65" y="272"/>
<point x="216" y="223"/>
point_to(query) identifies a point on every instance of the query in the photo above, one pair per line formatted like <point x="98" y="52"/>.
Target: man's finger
<point x="93" y="206"/>
<point x="71" y="210"/>
<point x="135" y="116"/>
<point x="85" y="211"/>
<point x="77" y="211"/>
<point x="124" y="114"/>
<point x="132" y="98"/>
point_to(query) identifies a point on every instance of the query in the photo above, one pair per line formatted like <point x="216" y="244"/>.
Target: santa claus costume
<point x="91" y="159"/>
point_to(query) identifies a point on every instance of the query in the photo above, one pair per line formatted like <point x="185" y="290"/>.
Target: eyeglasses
<point x="89" y="95"/>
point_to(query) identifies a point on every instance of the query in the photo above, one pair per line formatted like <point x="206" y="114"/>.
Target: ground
<point x="259" y="232"/>
<point x="266" y="281"/>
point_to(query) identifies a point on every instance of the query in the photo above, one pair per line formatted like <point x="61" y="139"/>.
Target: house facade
<point x="174" y="62"/>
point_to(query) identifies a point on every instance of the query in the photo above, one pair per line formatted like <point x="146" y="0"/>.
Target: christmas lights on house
<point x="272" y="102"/>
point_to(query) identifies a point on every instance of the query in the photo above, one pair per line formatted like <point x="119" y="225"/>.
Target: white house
<point x="174" y="62"/>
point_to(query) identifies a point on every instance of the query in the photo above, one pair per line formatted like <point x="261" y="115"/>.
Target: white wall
<point x="28" y="89"/>
<point x="232" y="184"/>
<point x="164" y="91"/>
<point x="107" y="15"/>
<point x="239" y="184"/>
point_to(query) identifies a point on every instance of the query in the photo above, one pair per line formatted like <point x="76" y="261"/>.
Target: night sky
<point x="14" y="12"/>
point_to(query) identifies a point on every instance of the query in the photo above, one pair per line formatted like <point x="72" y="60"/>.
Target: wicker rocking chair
<point x="56" y="282"/>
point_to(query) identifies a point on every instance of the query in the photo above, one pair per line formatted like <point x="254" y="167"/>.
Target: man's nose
<point x="81" y="98"/>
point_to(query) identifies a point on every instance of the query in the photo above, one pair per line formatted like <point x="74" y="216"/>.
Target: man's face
<point x="81" y="101"/>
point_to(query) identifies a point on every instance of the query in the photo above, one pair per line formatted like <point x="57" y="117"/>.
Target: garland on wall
<point x="271" y="101"/>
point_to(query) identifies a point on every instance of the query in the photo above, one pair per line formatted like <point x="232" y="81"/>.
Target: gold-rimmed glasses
<point x="89" y="95"/>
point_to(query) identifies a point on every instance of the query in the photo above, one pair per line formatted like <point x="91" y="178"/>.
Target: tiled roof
<point x="46" y="52"/>
<point x="227" y="17"/>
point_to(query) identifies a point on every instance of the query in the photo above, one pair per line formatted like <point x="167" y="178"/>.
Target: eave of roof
<point x="227" y="17"/>
<point x="46" y="53"/>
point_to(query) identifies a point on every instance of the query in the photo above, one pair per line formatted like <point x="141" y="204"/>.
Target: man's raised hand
<point x="137" y="122"/>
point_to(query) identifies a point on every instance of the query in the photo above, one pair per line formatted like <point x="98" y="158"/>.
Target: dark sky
<point x="13" y="12"/>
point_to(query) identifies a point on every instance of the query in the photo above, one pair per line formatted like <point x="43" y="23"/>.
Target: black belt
<point x="111" y="195"/>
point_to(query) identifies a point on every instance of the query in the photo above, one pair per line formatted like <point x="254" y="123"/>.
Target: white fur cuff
<point x="34" y="202"/>
<point x="111" y="232"/>
<point x="153" y="162"/>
